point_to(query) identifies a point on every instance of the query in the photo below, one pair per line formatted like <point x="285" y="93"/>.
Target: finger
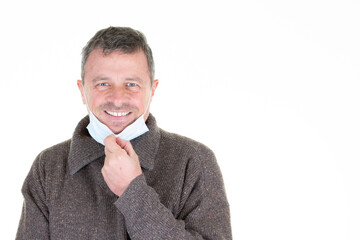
<point x="121" y="142"/>
<point x="107" y="152"/>
<point x="110" y="144"/>
<point x="117" y="153"/>
<point x="126" y="145"/>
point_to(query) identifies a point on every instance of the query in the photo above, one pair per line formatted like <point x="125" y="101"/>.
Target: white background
<point x="271" y="86"/>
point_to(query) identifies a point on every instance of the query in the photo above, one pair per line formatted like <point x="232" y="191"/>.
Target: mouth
<point x="117" y="114"/>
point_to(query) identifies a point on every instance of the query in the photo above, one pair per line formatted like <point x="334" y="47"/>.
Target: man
<point x="120" y="176"/>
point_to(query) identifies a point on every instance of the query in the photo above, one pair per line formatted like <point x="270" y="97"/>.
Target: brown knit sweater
<point x="180" y="194"/>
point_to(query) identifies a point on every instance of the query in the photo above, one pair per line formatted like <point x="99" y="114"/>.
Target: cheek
<point x="137" y="99"/>
<point x="96" y="102"/>
<point x="145" y="101"/>
<point x="93" y="101"/>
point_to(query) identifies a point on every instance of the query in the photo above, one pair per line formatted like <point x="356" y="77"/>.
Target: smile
<point x="117" y="114"/>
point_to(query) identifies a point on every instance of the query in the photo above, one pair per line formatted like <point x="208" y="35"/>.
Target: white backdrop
<point x="271" y="86"/>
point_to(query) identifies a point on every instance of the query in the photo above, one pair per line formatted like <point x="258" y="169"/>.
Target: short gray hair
<point x="123" y="39"/>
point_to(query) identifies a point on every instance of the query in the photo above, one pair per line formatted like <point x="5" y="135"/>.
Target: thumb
<point x="110" y="143"/>
<point x="126" y="145"/>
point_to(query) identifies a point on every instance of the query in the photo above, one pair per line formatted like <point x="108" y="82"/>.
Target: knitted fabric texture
<point x="180" y="194"/>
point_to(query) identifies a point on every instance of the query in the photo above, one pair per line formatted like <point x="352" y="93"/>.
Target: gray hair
<point x="123" y="39"/>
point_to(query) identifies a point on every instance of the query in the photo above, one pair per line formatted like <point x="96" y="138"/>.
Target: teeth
<point x="118" y="114"/>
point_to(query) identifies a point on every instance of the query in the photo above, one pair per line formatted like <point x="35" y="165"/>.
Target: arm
<point x="147" y="218"/>
<point x="204" y="210"/>
<point x="34" y="217"/>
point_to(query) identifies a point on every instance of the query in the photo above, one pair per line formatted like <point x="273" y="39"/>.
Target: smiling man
<point x="120" y="176"/>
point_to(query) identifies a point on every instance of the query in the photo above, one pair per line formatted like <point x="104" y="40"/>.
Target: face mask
<point x="99" y="131"/>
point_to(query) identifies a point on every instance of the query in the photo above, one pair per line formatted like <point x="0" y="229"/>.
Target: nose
<point x="119" y="95"/>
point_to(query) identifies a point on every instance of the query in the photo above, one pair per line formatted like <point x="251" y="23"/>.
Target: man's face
<point x="117" y="87"/>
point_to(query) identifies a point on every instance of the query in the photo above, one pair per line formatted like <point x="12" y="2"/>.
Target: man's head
<point x="122" y="39"/>
<point x="117" y="77"/>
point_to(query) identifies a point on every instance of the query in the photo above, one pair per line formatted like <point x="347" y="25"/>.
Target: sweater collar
<point x="84" y="149"/>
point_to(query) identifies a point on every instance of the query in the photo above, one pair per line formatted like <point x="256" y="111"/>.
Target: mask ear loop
<point x="86" y="101"/>
<point x="148" y="105"/>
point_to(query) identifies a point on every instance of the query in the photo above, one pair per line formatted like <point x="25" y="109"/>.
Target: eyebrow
<point x="97" y="79"/>
<point x="136" y="79"/>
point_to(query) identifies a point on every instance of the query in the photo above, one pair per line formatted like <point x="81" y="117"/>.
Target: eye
<point x="103" y="84"/>
<point x="131" y="84"/>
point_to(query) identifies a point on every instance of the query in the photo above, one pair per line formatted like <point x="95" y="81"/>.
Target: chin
<point x="117" y="130"/>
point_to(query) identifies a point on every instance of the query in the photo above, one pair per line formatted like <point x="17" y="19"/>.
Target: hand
<point x="121" y="164"/>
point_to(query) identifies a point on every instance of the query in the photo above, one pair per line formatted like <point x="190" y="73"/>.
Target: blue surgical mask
<point x="99" y="131"/>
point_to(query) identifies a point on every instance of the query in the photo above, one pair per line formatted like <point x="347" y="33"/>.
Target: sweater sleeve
<point x="34" y="222"/>
<point x="204" y="210"/>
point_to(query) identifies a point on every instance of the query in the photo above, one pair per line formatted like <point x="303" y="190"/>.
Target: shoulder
<point x="196" y="160"/>
<point x="197" y="156"/>
<point x="58" y="150"/>
<point x="176" y="141"/>
<point x="49" y="164"/>
<point x="53" y="157"/>
<point x="192" y="153"/>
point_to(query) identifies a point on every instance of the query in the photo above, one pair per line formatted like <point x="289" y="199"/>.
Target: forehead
<point x="116" y="62"/>
<point x="99" y="55"/>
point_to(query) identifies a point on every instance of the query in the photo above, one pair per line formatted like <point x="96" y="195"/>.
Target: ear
<point x="80" y="86"/>
<point x="154" y="86"/>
